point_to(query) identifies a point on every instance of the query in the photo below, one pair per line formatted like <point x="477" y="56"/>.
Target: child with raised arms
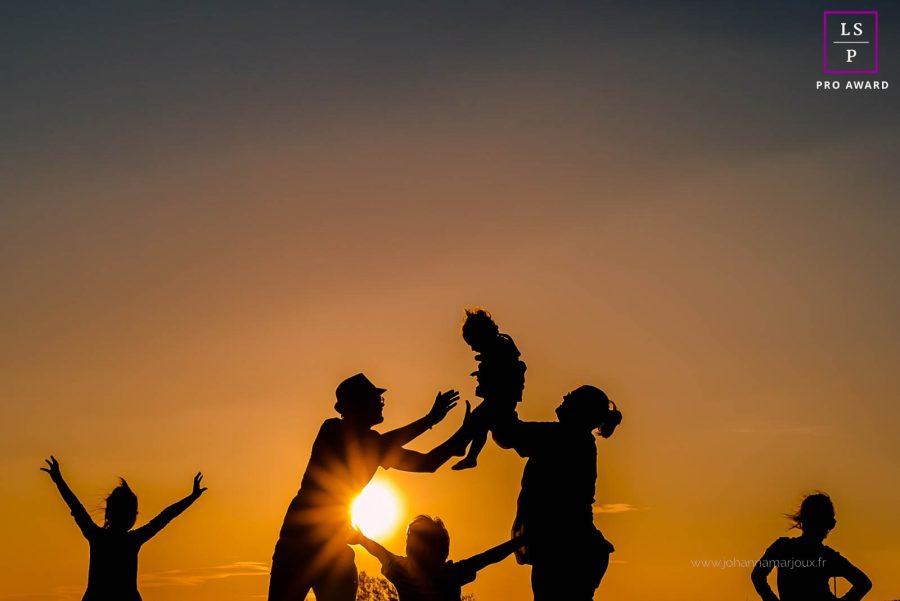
<point x="112" y="572"/>
<point x="425" y="573"/>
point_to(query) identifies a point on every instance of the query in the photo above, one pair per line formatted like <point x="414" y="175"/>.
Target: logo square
<point x="850" y="41"/>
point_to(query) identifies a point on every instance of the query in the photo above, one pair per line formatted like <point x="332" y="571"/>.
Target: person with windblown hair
<point x="112" y="572"/>
<point x="805" y="563"/>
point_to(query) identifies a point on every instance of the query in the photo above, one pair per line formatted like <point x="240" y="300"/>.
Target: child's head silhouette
<point x="121" y="508"/>
<point x="427" y="541"/>
<point x="479" y="330"/>
<point x="815" y="517"/>
<point x="589" y="407"/>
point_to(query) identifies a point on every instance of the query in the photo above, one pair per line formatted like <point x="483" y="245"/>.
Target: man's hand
<point x="52" y="469"/>
<point x="443" y="403"/>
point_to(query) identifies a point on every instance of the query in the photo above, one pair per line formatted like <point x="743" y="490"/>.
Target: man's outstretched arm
<point x="443" y="403"/>
<point x="414" y="461"/>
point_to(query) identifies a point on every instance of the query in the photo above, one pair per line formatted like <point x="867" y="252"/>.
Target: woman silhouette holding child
<point x="554" y="516"/>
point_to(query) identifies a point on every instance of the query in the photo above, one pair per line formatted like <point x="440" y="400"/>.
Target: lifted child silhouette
<point x="112" y="574"/>
<point x="805" y="563"/>
<point x="425" y="574"/>
<point x="498" y="360"/>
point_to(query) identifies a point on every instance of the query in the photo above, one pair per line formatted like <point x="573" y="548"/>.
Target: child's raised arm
<point x="375" y="550"/>
<point x="491" y="556"/>
<point x="152" y="528"/>
<point x="82" y="519"/>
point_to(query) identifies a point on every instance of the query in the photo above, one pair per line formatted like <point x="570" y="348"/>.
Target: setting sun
<point x="376" y="510"/>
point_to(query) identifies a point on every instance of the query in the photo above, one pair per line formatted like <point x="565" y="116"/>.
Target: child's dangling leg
<point x="478" y="431"/>
<point x="479" y="438"/>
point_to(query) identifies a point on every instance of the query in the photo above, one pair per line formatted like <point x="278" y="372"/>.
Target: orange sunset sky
<point x="210" y="215"/>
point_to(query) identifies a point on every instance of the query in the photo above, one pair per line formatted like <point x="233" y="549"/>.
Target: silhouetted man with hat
<point x="312" y="550"/>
